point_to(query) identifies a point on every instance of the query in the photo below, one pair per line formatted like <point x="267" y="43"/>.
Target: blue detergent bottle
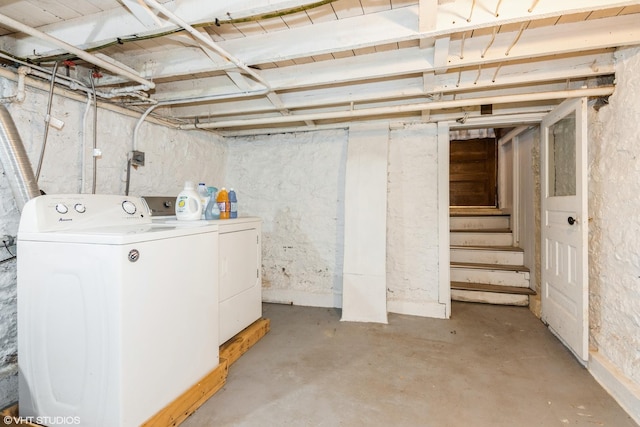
<point x="233" y="201"/>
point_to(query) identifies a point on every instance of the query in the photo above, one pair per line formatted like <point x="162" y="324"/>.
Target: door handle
<point x="571" y="220"/>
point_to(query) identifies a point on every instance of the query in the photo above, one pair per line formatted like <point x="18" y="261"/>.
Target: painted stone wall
<point x="614" y="228"/>
<point x="412" y="219"/>
<point x="295" y="182"/>
<point x="172" y="157"/>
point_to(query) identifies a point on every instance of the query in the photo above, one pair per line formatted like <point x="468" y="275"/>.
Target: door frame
<point x="521" y="123"/>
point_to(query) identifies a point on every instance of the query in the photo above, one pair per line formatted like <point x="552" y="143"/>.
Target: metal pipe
<point x="210" y="43"/>
<point x="381" y="111"/>
<point x="47" y="119"/>
<point x="15" y="161"/>
<point x="44" y="73"/>
<point x="11" y="75"/>
<point x="105" y="65"/>
<point x="84" y="143"/>
<point x="95" y="134"/>
<point x="73" y="84"/>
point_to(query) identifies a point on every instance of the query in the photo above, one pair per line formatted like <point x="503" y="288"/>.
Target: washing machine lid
<point x="119" y="235"/>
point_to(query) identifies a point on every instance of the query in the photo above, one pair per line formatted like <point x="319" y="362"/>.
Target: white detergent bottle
<point x="188" y="204"/>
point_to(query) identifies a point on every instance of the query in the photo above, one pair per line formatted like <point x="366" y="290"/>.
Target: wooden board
<point x="486" y="287"/>
<point x="244" y="340"/>
<point x="11" y="415"/>
<point x="186" y="404"/>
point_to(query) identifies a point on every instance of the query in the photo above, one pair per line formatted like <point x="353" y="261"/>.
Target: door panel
<point x="472" y="173"/>
<point x="565" y="225"/>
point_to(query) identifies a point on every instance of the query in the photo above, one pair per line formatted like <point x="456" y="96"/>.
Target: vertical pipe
<point x="95" y="133"/>
<point x="47" y="118"/>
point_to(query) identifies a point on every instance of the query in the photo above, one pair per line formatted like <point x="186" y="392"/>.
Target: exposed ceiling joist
<point x="331" y="60"/>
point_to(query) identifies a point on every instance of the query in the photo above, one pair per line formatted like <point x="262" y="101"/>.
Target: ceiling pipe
<point x="105" y="65"/>
<point x="39" y="85"/>
<point x="208" y="42"/>
<point x="436" y="105"/>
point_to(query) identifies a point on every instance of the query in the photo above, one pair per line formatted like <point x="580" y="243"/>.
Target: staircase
<point x="485" y="266"/>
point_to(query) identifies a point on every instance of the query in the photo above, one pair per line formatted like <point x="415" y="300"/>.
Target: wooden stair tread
<point x="475" y="211"/>
<point x="481" y="266"/>
<point x="480" y="230"/>
<point x="488" y="248"/>
<point x="485" y="287"/>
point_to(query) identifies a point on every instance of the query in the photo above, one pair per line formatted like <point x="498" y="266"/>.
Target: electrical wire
<point x="217" y="22"/>
<point x="13" y="256"/>
<point x="7" y="248"/>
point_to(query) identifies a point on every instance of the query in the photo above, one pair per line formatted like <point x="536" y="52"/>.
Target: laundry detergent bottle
<point x="223" y="203"/>
<point x="188" y="203"/>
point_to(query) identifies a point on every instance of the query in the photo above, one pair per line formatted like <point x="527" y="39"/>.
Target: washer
<point x="240" y="262"/>
<point x="117" y="316"/>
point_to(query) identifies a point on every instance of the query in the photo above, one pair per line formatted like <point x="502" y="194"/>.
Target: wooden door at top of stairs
<point x="472" y="172"/>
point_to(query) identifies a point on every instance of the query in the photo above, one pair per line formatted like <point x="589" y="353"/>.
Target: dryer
<point x="117" y="316"/>
<point x="240" y="265"/>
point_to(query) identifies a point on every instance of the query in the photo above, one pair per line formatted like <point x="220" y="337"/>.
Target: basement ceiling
<point x="239" y="67"/>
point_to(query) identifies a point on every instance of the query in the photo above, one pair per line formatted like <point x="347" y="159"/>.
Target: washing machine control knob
<point x="61" y="208"/>
<point x="129" y="207"/>
<point x="80" y="208"/>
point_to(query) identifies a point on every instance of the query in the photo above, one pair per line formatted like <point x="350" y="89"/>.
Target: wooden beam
<point x="243" y="341"/>
<point x="106" y="26"/>
<point x="546" y="75"/>
<point x="441" y="54"/>
<point x="189" y="401"/>
<point x="427" y="20"/>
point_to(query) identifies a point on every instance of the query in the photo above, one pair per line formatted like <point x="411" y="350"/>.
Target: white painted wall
<point x="505" y="175"/>
<point x="614" y="227"/>
<point x="171" y="158"/>
<point x="528" y="190"/>
<point x="295" y="183"/>
<point x="412" y="221"/>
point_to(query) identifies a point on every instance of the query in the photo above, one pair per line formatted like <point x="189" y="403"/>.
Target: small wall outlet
<point x="137" y="158"/>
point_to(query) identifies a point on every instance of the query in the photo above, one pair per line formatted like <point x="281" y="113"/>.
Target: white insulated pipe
<point x="425" y="106"/>
<point x="106" y="65"/>
<point x="11" y="75"/>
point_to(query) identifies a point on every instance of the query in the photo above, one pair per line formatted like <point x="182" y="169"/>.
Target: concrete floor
<point x="486" y="366"/>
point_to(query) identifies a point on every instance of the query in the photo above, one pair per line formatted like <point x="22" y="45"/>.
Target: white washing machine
<point x="117" y="316"/>
<point x="240" y="265"/>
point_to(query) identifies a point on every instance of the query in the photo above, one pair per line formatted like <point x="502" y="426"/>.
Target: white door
<point x="565" y="225"/>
